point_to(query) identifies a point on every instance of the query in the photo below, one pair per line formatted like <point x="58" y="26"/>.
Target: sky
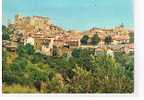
<point x="73" y="14"/>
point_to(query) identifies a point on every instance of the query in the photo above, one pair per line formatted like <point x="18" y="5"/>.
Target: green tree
<point x="108" y="40"/>
<point x="19" y="64"/>
<point x="131" y="39"/>
<point x="82" y="81"/>
<point x="76" y="53"/>
<point x="127" y="62"/>
<point x="5" y="36"/>
<point x="109" y="76"/>
<point x="82" y="57"/>
<point x="30" y="49"/>
<point x="4" y="58"/>
<point x="56" y="84"/>
<point x="27" y="49"/>
<point x="36" y="58"/>
<point x="15" y="72"/>
<point x="5" y="33"/>
<point x="95" y="39"/>
<point x="84" y="40"/>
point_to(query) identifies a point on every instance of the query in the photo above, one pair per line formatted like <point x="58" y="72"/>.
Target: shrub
<point x="16" y="88"/>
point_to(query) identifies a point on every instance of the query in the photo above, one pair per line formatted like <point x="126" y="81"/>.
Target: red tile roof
<point x="120" y="37"/>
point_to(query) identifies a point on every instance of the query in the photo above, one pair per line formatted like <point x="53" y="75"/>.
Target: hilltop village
<point x="45" y="36"/>
<point x="41" y="57"/>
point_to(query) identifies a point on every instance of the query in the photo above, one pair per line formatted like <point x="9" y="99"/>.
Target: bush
<point x="110" y="77"/>
<point x="76" y="53"/>
<point x="16" y="88"/>
<point x="83" y="57"/>
<point x="56" y="85"/>
<point x="82" y="81"/>
<point x="27" y="49"/>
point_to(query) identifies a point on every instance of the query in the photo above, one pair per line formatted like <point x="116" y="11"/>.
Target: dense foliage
<point x="5" y="33"/>
<point x="95" y="39"/>
<point x="131" y="35"/>
<point x="84" y="72"/>
<point x="84" y="39"/>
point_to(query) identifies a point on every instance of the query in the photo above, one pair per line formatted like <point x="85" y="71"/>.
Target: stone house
<point x="120" y="39"/>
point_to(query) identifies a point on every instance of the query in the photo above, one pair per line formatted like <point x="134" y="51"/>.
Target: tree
<point x="56" y="84"/>
<point x="82" y="81"/>
<point x="15" y="72"/>
<point x="127" y="62"/>
<point x="76" y="53"/>
<point x="110" y="77"/>
<point x="4" y="58"/>
<point x="84" y="40"/>
<point x="5" y="36"/>
<point x="27" y="49"/>
<point x="108" y="40"/>
<point x="83" y="57"/>
<point x="37" y="57"/>
<point x="95" y="39"/>
<point x="19" y="64"/>
<point x="5" y="33"/>
<point x="131" y="39"/>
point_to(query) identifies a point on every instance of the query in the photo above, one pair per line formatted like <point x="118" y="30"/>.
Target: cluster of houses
<point x="45" y="43"/>
<point x="44" y="36"/>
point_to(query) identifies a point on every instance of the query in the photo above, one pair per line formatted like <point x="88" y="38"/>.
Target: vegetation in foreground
<point x="28" y="72"/>
<point x="83" y="72"/>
